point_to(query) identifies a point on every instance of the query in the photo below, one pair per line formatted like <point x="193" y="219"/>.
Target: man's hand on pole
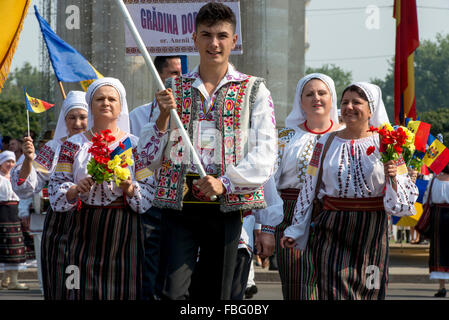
<point x="210" y="186"/>
<point x="166" y="102"/>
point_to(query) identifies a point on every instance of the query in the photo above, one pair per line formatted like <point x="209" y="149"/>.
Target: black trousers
<point x="203" y="226"/>
<point x="241" y="274"/>
<point x="151" y="227"/>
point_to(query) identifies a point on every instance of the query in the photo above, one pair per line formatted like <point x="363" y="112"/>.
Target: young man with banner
<point x="230" y="119"/>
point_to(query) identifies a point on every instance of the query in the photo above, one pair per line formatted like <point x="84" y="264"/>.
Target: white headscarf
<point x="123" y="118"/>
<point x="74" y="100"/>
<point x="374" y="94"/>
<point x="7" y="155"/>
<point x="297" y="115"/>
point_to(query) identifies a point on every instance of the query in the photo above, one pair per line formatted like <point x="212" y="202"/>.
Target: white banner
<point x="166" y="26"/>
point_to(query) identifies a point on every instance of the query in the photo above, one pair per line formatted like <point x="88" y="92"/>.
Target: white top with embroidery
<point x="440" y="192"/>
<point x="142" y="115"/>
<point x="6" y="192"/>
<point x="69" y="172"/>
<point x="348" y="172"/>
<point x="254" y="170"/>
<point x="295" y="147"/>
<point x="44" y="164"/>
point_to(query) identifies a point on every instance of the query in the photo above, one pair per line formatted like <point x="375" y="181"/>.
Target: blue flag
<point x="69" y="65"/>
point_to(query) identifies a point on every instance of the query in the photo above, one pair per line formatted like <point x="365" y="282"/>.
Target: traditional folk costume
<point x="12" y="247"/>
<point x="349" y="242"/>
<point x="295" y="147"/>
<point x="104" y="236"/>
<point x="142" y="115"/>
<point x="150" y="220"/>
<point x="45" y="224"/>
<point x="438" y="229"/>
<point x="233" y="131"/>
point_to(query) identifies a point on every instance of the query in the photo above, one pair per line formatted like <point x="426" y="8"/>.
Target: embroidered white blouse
<point x="295" y="147"/>
<point x="254" y="170"/>
<point x="440" y="192"/>
<point x="43" y="166"/>
<point x="142" y="115"/>
<point x="72" y="167"/>
<point x="349" y="172"/>
<point x="6" y="192"/>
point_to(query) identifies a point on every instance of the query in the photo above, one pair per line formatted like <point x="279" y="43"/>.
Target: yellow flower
<point x="121" y="173"/>
<point x="114" y="162"/>
<point x="129" y="161"/>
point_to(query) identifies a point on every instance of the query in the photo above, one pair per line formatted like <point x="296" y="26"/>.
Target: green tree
<point x="431" y="77"/>
<point x="341" y="78"/>
<point x="13" y="119"/>
<point x="439" y="120"/>
<point x="26" y="77"/>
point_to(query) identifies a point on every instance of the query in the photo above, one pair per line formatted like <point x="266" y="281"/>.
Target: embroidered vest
<point x="234" y="103"/>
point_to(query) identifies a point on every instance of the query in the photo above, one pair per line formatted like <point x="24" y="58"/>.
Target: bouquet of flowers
<point x="394" y="142"/>
<point x="101" y="167"/>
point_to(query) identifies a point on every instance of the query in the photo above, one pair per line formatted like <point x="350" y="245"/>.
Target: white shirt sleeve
<point x="273" y="214"/>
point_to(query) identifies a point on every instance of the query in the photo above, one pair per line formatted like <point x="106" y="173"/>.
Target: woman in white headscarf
<point x="314" y="113"/>
<point x="12" y="247"/>
<point x="348" y="240"/>
<point x="30" y="179"/>
<point x="104" y="236"/>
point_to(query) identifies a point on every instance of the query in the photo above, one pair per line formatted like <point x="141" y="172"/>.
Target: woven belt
<point x="118" y="203"/>
<point x="353" y="204"/>
<point x="9" y="203"/>
<point x="289" y="194"/>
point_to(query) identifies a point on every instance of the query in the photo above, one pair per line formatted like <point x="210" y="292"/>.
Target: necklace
<point x="314" y="132"/>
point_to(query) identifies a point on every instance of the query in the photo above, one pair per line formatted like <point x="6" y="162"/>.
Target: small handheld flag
<point x="421" y="131"/>
<point x="437" y="155"/>
<point x="36" y="105"/>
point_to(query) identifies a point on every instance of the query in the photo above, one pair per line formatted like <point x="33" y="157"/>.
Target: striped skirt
<point x="439" y="242"/>
<point x="103" y="254"/>
<point x="12" y="248"/>
<point x="295" y="267"/>
<point x="350" y="249"/>
<point x="53" y="253"/>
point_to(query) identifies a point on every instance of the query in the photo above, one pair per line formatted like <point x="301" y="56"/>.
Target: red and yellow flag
<point x="407" y="41"/>
<point x="36" y="105"/>
<point x="13" y="15"/>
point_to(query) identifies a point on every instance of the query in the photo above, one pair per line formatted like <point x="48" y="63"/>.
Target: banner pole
<point x="146" y="56"/>
<point x="62" y="89"/>
<point x="28" y="122"/>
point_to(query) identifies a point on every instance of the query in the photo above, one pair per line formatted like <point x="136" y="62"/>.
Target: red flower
<point x="121" y="145"/>
<point x="397" y="148"/>
<point x="370" y="150"/>
<point x="373" y="129"/>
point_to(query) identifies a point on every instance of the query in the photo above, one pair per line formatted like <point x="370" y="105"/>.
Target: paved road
<point x="268" y="291"/>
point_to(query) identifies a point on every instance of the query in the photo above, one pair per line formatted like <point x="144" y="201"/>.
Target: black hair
<point x="160" y="62"/>
<point x="6" y="139"/>
<point x="358" y="90"/>
<point x="214" y="12"/>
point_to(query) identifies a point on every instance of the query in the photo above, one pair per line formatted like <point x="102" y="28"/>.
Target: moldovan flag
<point x="36" y="105"/>
<point x="421" y="131"/>
<point x="437" y="155"/>
<point x="69" y="65"/>
<point x="407" y="40"/>
<point x="13" y="14"/>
